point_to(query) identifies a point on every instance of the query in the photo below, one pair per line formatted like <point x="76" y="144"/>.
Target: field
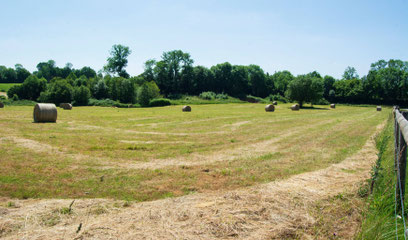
<point x="152" y="153"/>
<point x="4" y="87"/>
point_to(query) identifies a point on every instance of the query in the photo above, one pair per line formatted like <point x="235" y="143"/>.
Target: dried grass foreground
<point x="286" y="209"/>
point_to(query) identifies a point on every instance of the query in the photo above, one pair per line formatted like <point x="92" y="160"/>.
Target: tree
<point x="169" y="70"/>
<point x="240" y="84"/>
<point x="21" y="73"/>
<point x="143" y="96"/>
<point x="149" y="74"/>
<point x="57" y="92"/>
<point x="257" y="81"/>
<point x="81" y="96"/>
<point x="222" y="78"/>
<point x="126" y="91"/>
<point x="350" y="73"/>
<point x="328" y="82"/>
<point x="101" y="90"/>
<point x="281" y="81"/>
<point x="47" y="70"/>
<point x="30" y="89"/>
<point x="305" y="88"/>
<point x="117" y="61"/>
<point x="202" y="79"/>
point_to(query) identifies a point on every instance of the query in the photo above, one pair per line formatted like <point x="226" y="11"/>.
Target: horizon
<point x="299" y="37"/>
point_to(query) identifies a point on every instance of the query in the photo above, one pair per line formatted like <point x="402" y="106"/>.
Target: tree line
<point x="175" y="75"/>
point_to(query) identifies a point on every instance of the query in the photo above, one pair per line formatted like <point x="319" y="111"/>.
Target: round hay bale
<point x="332" y="105"/>
<point x="1" y="105"/>
<point x="295" y="107"/>
<point x="186" y="109"/>
<point x="66" y="106"/>
<point x="275" y="103"/>
<point x="45" y="112"/>
<point x="269" y="108"/>
<point x="379" y="108"/>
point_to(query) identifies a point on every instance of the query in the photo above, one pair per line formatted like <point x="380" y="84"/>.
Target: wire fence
<point x="400" y="163"/>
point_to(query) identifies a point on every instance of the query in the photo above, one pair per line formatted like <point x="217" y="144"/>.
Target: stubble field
<point x="153" y="153"/>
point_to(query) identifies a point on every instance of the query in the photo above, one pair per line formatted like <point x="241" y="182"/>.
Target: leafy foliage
<point x="160" y="102"/>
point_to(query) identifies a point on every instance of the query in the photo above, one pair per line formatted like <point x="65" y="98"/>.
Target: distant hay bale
<point x="275" y="103"/>
<point x="332" y="105"/>
<point x="1" y="105"/>
<point x="66" y="106"/>
<point x="186" y="109"/>
<point x="379" y="108"/>
<point x="45" y="112"/>
<point x="295" y="107"/>
<point x="269" y="108"/>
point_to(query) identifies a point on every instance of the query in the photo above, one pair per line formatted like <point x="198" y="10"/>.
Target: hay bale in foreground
<point x="1" y="105"/>
<point x="379" y="108"/>
<point x="66" y="106"/>
<point x="269" y="108"/>
<point x="45" y="112"/>
<point x="332" y="105"/>
<point x="186" y="109"/>
<point x="275" y="103"/>
<point x="295" y="107"/>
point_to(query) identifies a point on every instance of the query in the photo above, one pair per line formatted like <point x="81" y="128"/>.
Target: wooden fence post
<point x="401" y="163"/>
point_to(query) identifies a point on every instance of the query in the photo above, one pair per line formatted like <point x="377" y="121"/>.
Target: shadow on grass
<point x="314" y="108"/>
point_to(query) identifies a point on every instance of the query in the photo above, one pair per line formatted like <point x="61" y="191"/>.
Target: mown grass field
<point x="4" y="87"/>
<point x="151" y="153"/>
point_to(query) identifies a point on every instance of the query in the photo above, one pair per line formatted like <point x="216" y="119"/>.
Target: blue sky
<point x="299" y="36"/>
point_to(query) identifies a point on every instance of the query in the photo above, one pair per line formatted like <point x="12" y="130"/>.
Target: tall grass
<point x="379" y="216"/>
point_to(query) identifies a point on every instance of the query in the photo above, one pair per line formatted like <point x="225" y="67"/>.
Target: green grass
<point x="4" y="87"/>
<point x="90" y="151"/>
<point x="379" y="216"/>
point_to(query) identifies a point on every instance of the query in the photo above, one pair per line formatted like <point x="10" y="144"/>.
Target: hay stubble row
<point x="151" y="153"/>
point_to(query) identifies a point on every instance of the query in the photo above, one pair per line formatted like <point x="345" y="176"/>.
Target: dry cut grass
<point x="153" y="153"/>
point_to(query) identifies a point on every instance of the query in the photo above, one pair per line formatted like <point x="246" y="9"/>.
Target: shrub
<point x="160" y="102"/>
<point x="221" y="96"/>
<point x="278" y="97"/>
<point x="15" y="97"/>
<point x="208" y="95"/>
<point x="107" y="103"/>
<point x="253" y="99"/>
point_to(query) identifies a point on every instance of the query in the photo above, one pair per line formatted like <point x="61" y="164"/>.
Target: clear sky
<point x="295" y="35"/>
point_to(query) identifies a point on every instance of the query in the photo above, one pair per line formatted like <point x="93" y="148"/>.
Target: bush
<point x="15" y="97"/>
<point x="253" y="99"/>
<point x="278" y="97"/>
<point x="160" y="102"/>
<point x="207" y="95"/>
<point x="82" y="95"/>
<point x="222" y="96"/>
<point x="107" y="103"/>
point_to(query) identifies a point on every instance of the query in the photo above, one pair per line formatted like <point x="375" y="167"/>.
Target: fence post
<point x="401" y="162"/>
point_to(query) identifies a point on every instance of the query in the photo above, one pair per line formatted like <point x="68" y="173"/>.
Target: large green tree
<point x="170" y="69"/>
<point x="117" y="61"/>
<point x="305" y="88"/>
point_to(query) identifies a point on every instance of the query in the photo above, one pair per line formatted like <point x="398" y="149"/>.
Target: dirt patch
<point x="276" y="210"/>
